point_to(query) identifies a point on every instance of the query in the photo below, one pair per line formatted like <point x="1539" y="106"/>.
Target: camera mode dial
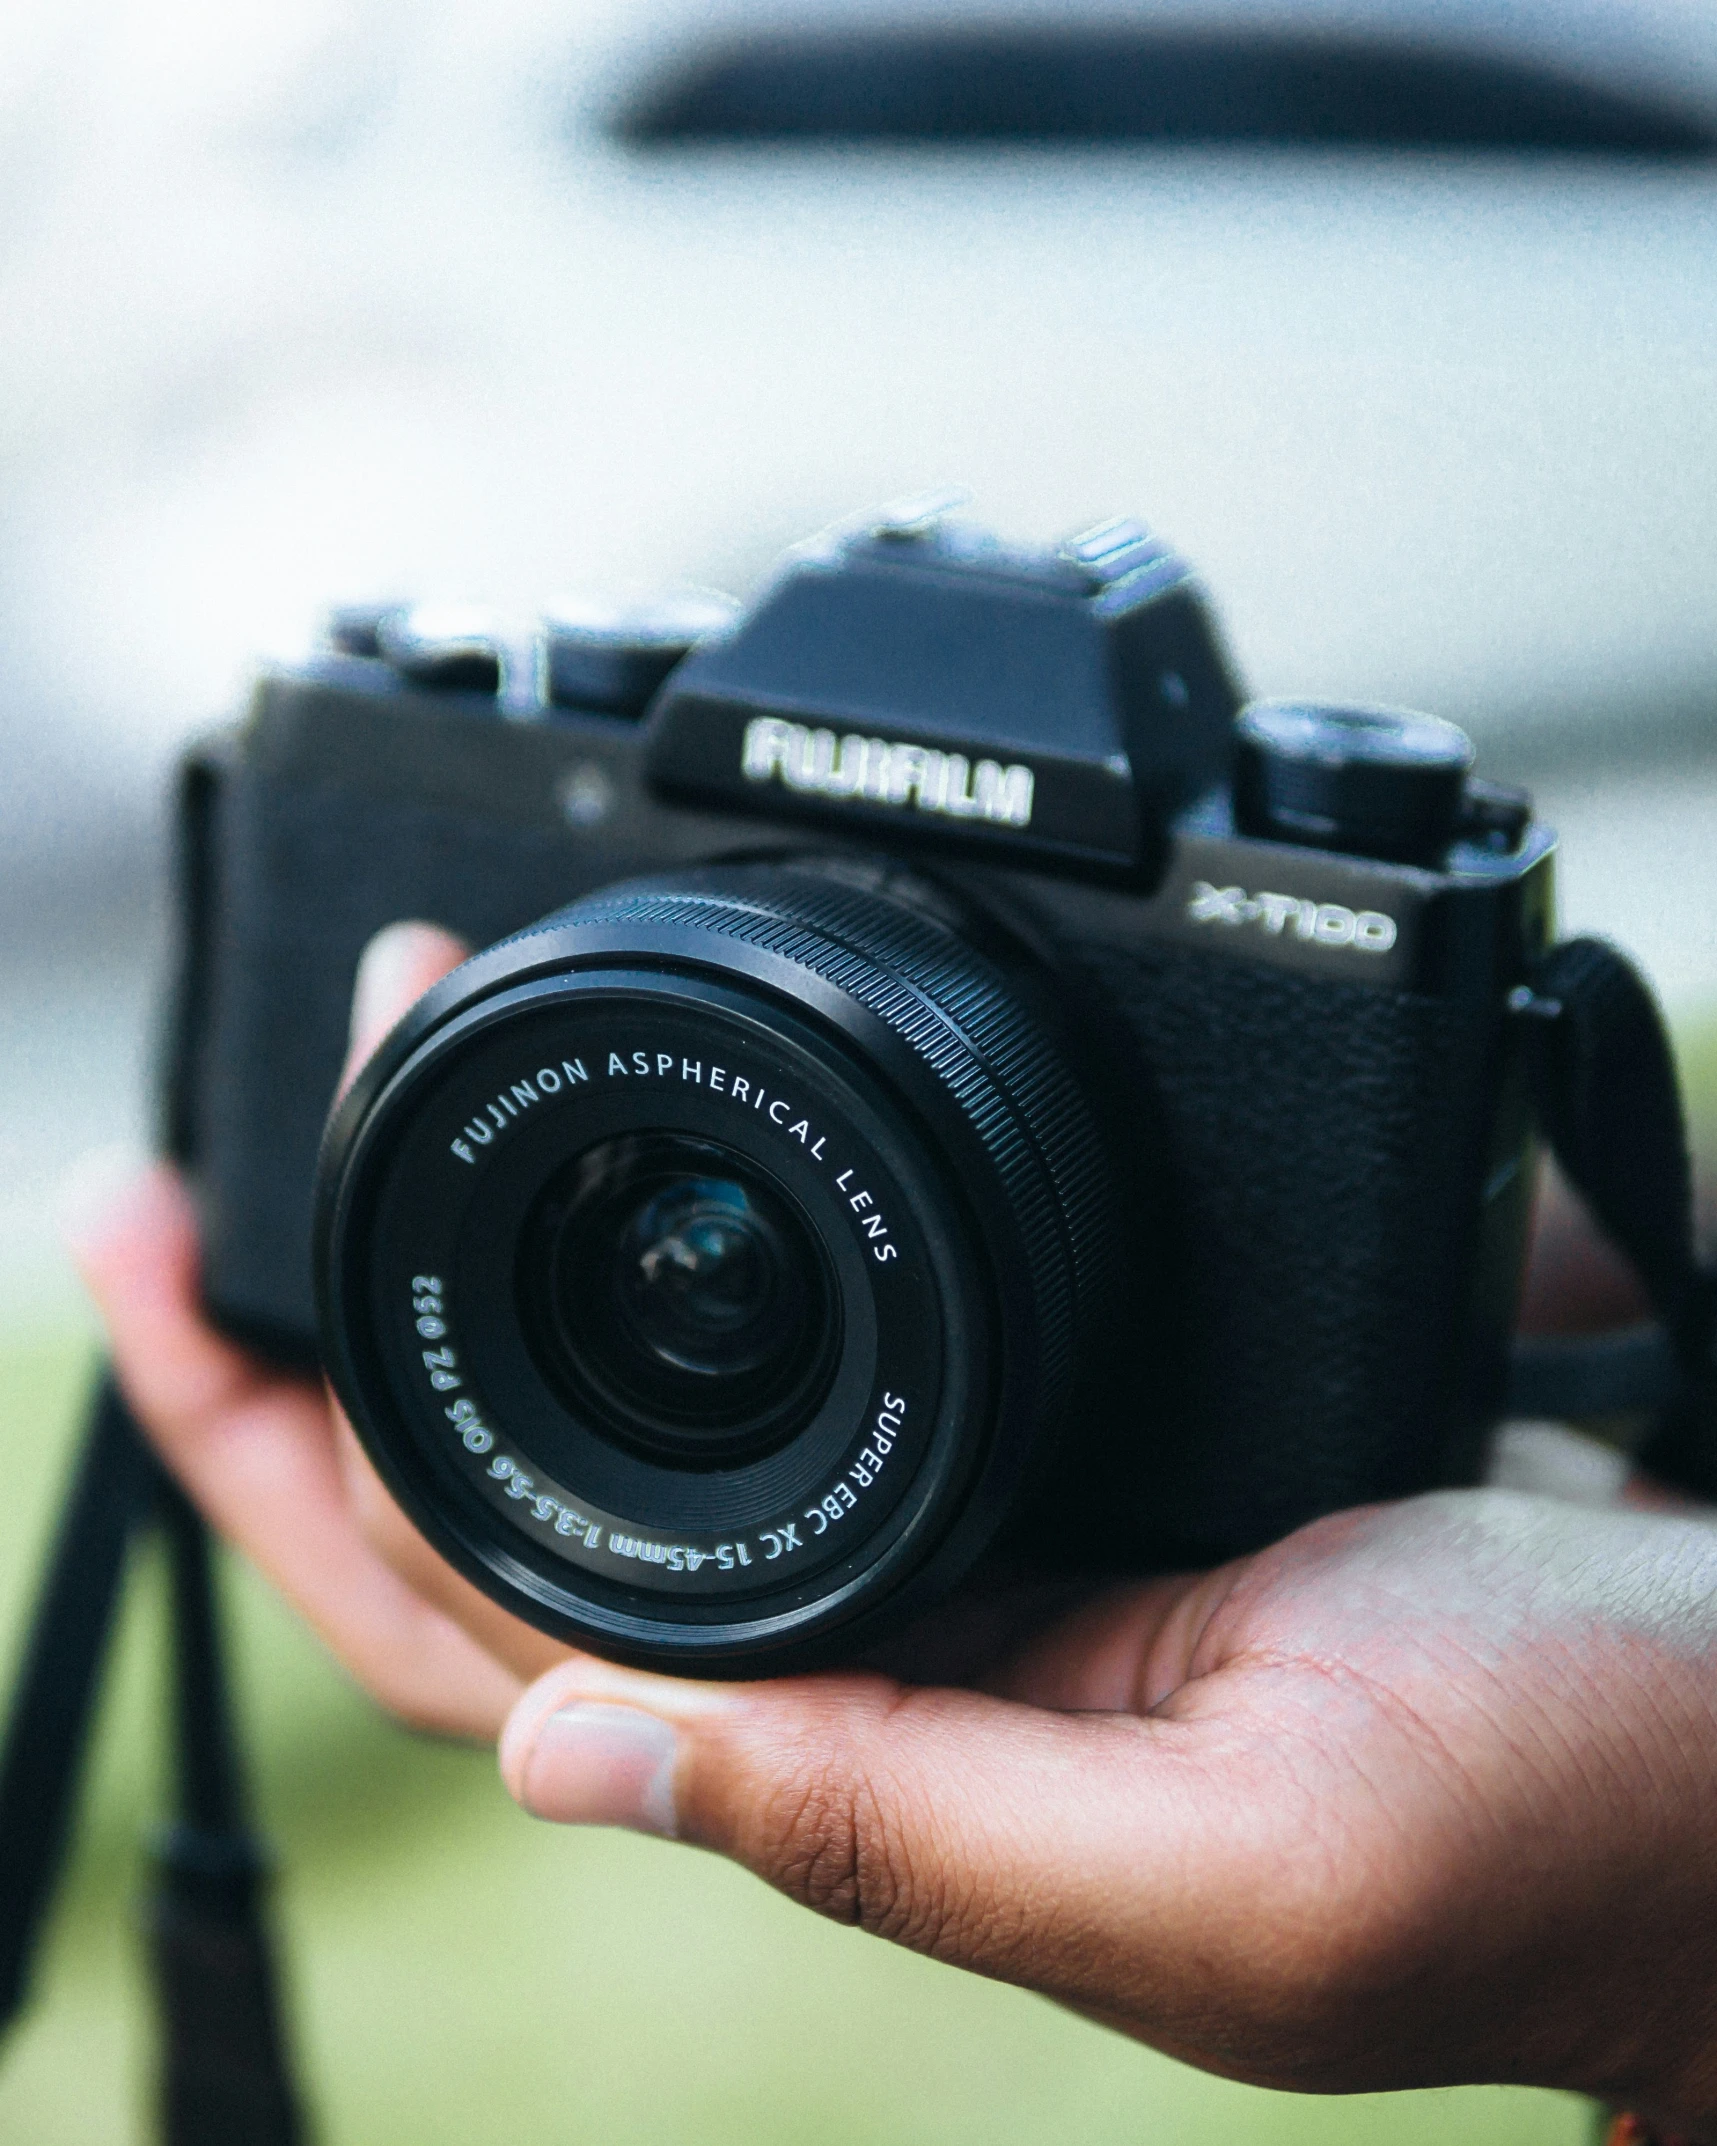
<point x="1379" y="782"/>
<point x="612" y="657"/>
<point x="446" y="647"/>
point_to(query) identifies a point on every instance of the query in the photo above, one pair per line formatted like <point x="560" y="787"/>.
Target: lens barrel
<point x="706" y="1270"/>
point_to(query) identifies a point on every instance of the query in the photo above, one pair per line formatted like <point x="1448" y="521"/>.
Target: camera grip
<point x="1343" y="1191"/>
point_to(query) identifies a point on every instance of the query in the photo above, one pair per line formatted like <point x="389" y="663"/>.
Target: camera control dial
<point x="612" y="657"/>
<point x="1377" y="782"/>
<point x="447" y="647"/>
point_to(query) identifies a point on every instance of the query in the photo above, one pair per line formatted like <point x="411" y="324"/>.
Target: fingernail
<point x="1552" y="1460"/>
<point x="384" y="984"/>
<point x="97" y="1190"/>
<point x="596" y="1765"/>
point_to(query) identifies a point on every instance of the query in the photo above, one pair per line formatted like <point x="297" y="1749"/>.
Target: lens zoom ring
<point x="956" y="1013"/>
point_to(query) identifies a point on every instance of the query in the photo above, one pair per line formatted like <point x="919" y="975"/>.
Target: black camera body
<point x="1166" y="1048"/>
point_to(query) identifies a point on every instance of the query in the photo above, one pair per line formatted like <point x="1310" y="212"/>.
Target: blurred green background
<point x="457" y="1971"/>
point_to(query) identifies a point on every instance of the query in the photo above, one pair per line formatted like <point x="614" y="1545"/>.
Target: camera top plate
<point x="921" y="678"/>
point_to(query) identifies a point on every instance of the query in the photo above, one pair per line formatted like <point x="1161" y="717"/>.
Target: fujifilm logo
<point x="817" y="763"/>
<point x="1367" y="931"/>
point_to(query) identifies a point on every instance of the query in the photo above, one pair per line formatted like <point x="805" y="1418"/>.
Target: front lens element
<point x="677" y="1296"/>
<point x="701" y="1280"/>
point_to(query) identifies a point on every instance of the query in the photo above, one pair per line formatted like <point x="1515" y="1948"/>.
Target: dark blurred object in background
<point x="1141" y="83"/>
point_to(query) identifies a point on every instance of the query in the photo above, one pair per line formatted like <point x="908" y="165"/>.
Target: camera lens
<point x="706" y="1269"/>
<point x="677" y="1295"/>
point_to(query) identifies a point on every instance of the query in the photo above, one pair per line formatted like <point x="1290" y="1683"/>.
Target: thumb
<point x="396" y="968"/>
<point x="1036" y="1846"/>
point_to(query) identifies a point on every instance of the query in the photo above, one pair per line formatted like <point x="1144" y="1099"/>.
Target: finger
<point x="1080" y="1854"/>
<point x="255" y="1451"/>
<point x="394" y="971"/>
<point x="397" y="966"/>
<point x="1576" y="1281"/>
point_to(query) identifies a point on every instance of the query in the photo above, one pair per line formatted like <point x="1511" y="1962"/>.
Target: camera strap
<point x="224" y="2079"/>
<point x="60" y="1676"/>
<point x="1608" y="1100"/>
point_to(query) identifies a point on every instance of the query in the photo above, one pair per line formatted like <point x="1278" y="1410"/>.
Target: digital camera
<point x="944" y="1086"/>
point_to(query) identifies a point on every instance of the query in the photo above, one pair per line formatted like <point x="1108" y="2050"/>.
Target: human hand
<point x="1424" y="1794"/>
<point x="272" y="1462"/>
<point x="1420" y="1795"/>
